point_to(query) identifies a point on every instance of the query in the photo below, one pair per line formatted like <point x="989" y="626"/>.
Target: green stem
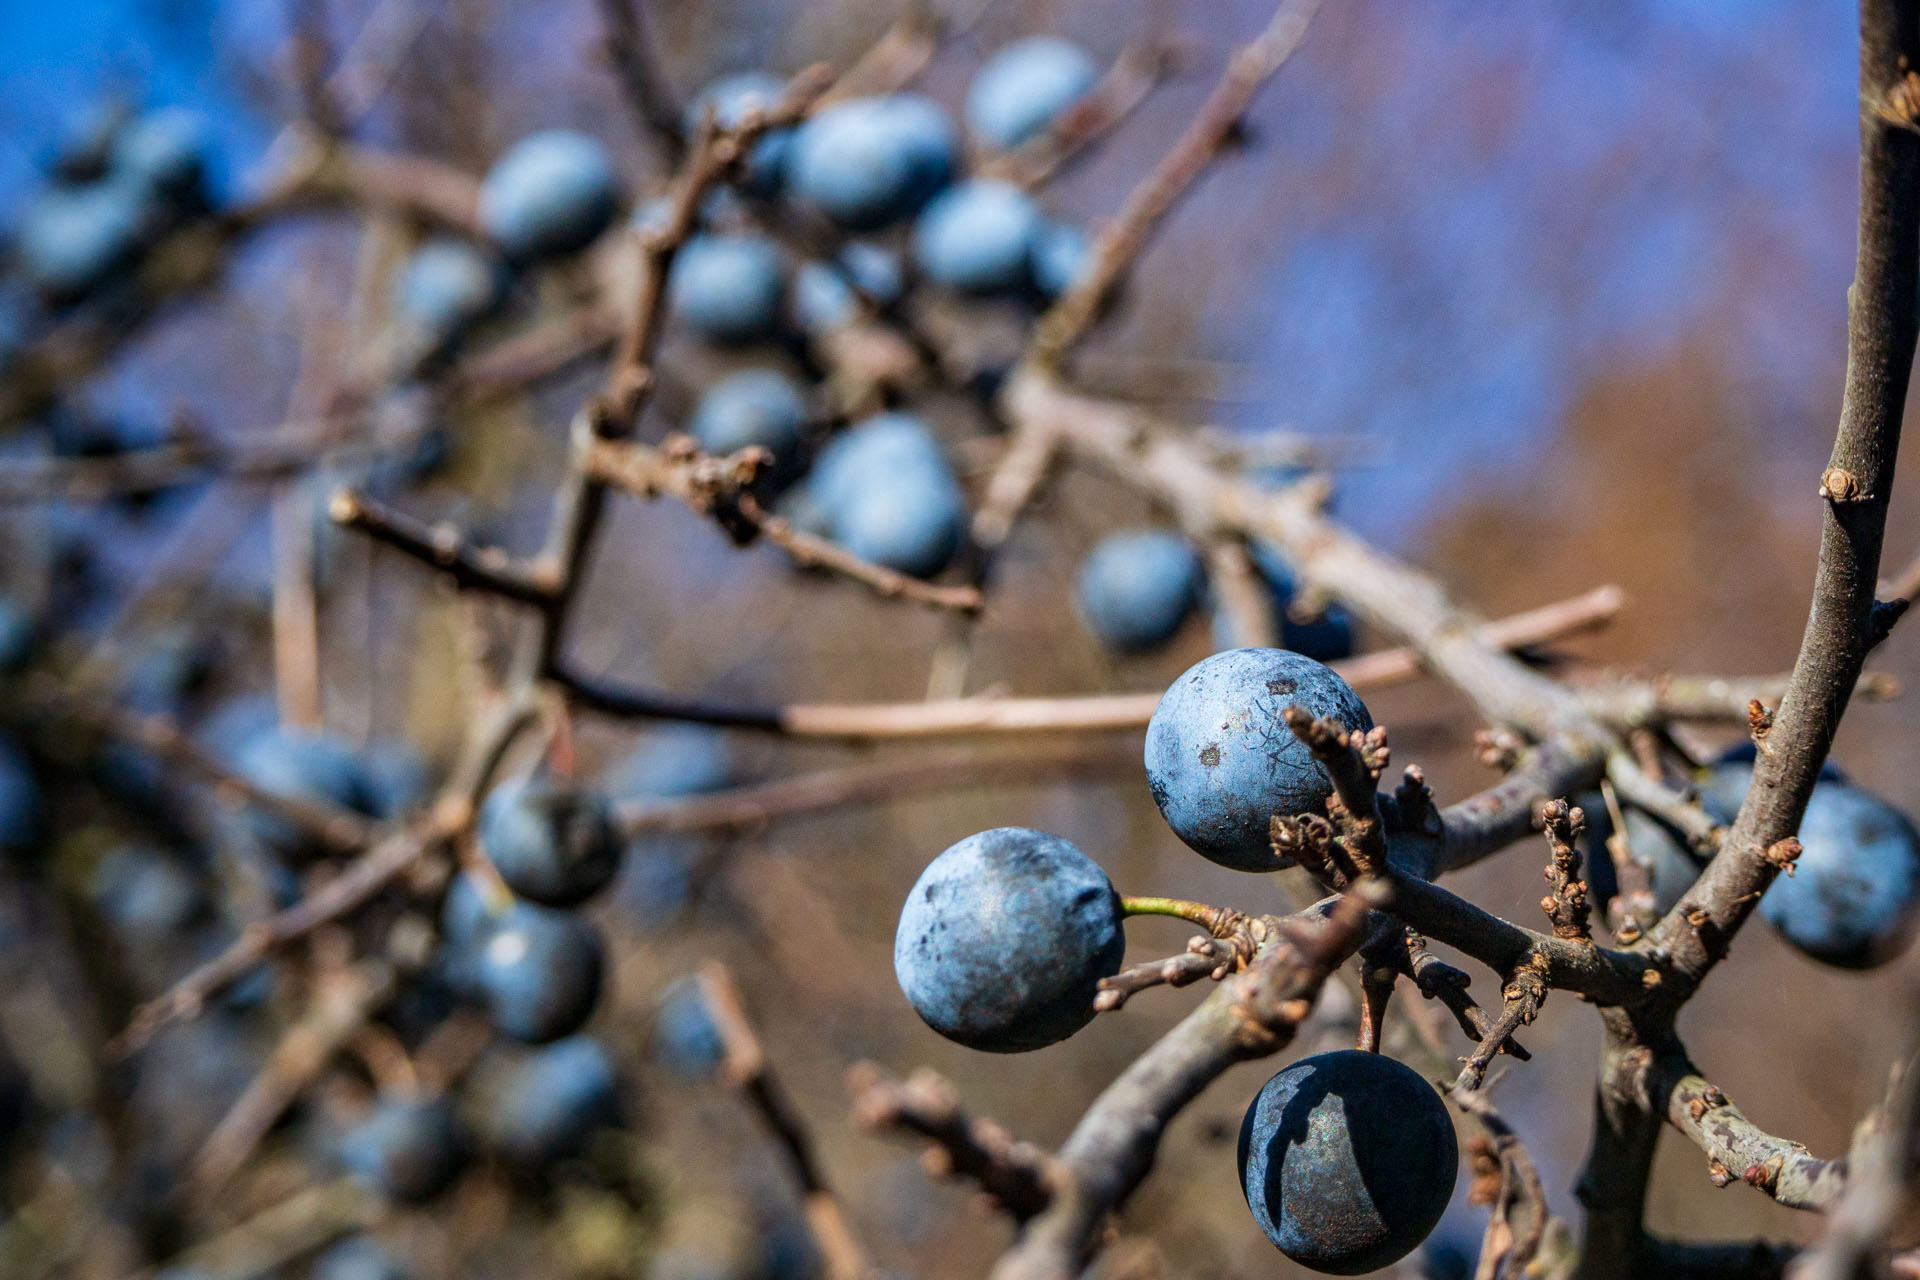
<point x="1199" y="913"/>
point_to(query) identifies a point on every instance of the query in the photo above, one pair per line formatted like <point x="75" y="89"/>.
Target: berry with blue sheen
<point x="545" y="1104"/>
<point x="552" y="843"/>
<point x="686" y="1040"/>
<point x="406" y="1148"/>
<point x="1004" y="939"/>
<point x="1024" y="87"/>
<point x="828" y="295"/>
<point x="978" y="237"/>
<point x="912" y="524"/>
<point x="23" y="811"/>
<point x="145" y="896"/>
<point x="1062" y="254"/>
<point x="761" y="407"/>
<point x="447" y="287"/>
<point x="397" y="778"/>
<point x="1221" y="761"/>
<point x="675" y="760"/>
<point x="728" y="287"/>
<point x="539" y="972"/>
<point x="166" y="152"/>
<point x="1136" y="587"/>
<point x="303" y="764"/>
<point x="1327" y="637"/>
<point x="74" y="239"/>
<point x="730" y="98"/>
<point x="358" y="1258"/>
<point x="885" y="491"/>
<point x="1854" y="893"/>
<point x="870" y="162"/>
<point x="550" y="195"/>
<point x="1347" y="1160"/>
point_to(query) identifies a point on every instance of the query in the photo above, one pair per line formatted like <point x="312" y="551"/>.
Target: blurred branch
<point x="1120" y="242"/>
<point x="643" y="81"/>
<point x="745" y="1066"/>
<point x="1017" y="1175"/>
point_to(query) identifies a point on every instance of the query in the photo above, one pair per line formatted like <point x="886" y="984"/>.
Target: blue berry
<point x="1062" y="254"/>
<point x="446" y="288"/>
<point x="1221" y="761"/>
<point x="886" y="493"/>
<point x="146" y="897"/>
<point x="358" y="1258"/>
<point x="407" y="1148"/>
<point x="74" y="239"/>
<point x="827" y="296"/>
<point x="978" y="237"/>
<point x="870" y="162"/>
<point x="1326" y="638"/>
<point x="675" y="760"/>
<point x="1347" y="1160"/>
<point x="539" y="972"/>
<point x="552" y="843"/>
<point x="686" y="1040"/>
<point x="730" y="98"/>
<point x="544" y="1105"/>
<point x="761" y="407"/>
<point x="303" y="764"/>
<point x="1025" y="87"/>
<point x="550" y="195"/>
<point x="913" y="525"/>
<point x="728" y="287"/>
<point x="1854" y="893"/>
<point x="1004" y="939"/>
<point x="166" y="152"/>
<point x="23" y="809"/>
<point x="1136" y="587"/>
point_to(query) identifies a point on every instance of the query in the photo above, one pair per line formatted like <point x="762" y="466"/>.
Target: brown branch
<point x="643" y="83"/>
<point x="1566" y="905"/>
<point x="1438" y="980"/>
<point x="893" y="60"/>
<point x="1017" y="1175"/>
<point x="1240" y="595"/>
<point x="1474" y="829"/>
<point x="886" y="778"/>
<point x="1663" y="700"/>
<point x="1738" y="1148"/>
<point x="1883" y="321"/>
<point x="1517" y="1198"/>
<point x="745" y="1067"/>
<point x="341" y="1004"/>
<point x="1523" y="996"/>
<point x="1250" y="1015"/>
<point x="1120" y="242"/>
<point x="1354" y="760"/>
<point x="467" y="565"/>
<point x="1124" y="86"/>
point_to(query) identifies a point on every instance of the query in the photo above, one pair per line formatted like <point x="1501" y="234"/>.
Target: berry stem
<point x="1199" y="913"/>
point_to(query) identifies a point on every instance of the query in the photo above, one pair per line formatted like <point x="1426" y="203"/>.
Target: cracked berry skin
<point x="1221" y="761"/>
<point x="1004" y="940"/>
<point x="406" y="1148"/>
<point x="552" y="843"/>
<point x="539" y="972"/>
<point x="1347" y="1160"/>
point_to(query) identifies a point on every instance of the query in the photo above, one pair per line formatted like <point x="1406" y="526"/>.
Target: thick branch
<point x="1883" y="319"/>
